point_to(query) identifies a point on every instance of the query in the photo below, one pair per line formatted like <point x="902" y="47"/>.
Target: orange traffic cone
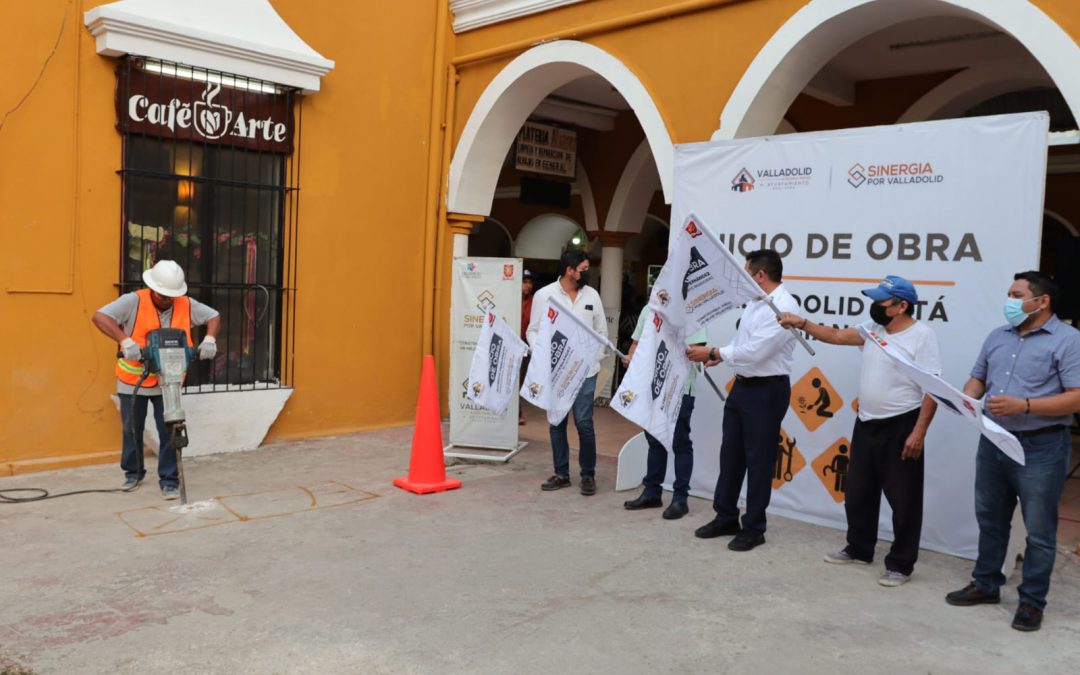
<point x="427" y="470"/>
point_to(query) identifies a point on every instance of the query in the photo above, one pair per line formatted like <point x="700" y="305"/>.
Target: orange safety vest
<point x="146" y="320"/>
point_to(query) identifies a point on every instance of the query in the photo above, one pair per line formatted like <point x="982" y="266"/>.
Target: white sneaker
<point x="891" y="579"/>
<point x="842" y="557"/>
<point x="170" y="493"/>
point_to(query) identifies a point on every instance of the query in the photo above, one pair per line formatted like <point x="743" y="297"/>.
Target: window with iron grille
<point x="211" y="180"/>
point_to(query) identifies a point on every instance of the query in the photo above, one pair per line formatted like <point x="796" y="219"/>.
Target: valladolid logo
<point x="773" y="178"/>
<point x="742" y="182"/>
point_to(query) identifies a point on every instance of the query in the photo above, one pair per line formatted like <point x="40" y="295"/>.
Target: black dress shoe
<point x="1028" y="618"/>
<point x="676" y="510"/>
<point x="555" y="482"/>
<point x="971" y="595"/>
<point x="747" y="540"/>
<point x="643" y="502"/>
<point x="588" y="486"/>
<point x="717" y="528"/>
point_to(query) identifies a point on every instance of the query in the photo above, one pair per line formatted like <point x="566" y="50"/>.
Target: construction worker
<point x="127" y="320"/>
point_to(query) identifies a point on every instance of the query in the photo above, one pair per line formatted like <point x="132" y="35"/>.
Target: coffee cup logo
<point x="212" y="120"/>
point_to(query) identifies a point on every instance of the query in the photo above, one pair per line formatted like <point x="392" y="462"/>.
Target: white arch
<point x="501" y="227"/>
<point x="515" y="92"/>
<point x="1063" y="221"/>
<point x="971" y="87"/>
<point x="823" y="28"/>
<point x="544" y="236"/>
<point x="588" y="203"/>
<point x="634" y="192"/>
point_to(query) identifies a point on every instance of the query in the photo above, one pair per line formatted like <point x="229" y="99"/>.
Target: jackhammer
<point x="167" y="354"/>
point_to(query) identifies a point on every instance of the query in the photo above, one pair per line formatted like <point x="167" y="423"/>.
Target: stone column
<point x="611" y="272"/>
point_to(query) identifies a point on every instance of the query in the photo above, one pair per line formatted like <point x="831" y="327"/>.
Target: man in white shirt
<point x="761" y="356"/>
<point x="573" y="291"/>
<point x="887" y="443"/>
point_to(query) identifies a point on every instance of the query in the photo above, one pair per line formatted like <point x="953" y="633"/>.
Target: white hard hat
<point x="166" y="278"/>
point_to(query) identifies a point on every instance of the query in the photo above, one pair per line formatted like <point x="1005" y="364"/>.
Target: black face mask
<point x="584" y="280"/>
<point x="878" y="315"/>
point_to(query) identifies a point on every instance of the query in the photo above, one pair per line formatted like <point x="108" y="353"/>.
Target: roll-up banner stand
<point x="479" y="286"/>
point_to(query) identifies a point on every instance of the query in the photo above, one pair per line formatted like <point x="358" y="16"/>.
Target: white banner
<point x="700" y="280"/>
<point x="954" y="206"/>
<point x="950" y="398"/>
<point x="480" y="286"/>
<point x="651" y="393"/>
<point x="564" y="350"/>
<point x="496" y="366"/>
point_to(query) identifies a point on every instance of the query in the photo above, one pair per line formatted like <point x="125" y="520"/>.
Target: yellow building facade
<point x="330" y="252"/>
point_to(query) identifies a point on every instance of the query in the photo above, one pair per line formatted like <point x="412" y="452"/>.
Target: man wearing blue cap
<point x="887" y="443"/>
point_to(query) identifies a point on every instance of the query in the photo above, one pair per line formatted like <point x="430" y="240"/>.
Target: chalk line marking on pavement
<point x="150" y="521"/>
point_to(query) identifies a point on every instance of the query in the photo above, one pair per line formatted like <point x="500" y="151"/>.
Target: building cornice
<point x="250" y="40"/>
<point x="470" y="14"/>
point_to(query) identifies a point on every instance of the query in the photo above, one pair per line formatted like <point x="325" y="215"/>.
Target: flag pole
<point x="711" y="383"/>
<point x="603" y="339"/>
<point x="796" y="333"/>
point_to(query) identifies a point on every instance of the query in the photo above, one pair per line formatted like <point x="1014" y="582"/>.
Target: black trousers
<point x="752" y="417"/>
<point x="876" y="468"/>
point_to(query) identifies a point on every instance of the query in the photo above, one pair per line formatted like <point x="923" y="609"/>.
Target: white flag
<point x="493" y="374"/>
<point x="700" y="280"/>
<point x="564" y="351"/>
<point x="950" y="398"/>
<point x="651" y="392"/>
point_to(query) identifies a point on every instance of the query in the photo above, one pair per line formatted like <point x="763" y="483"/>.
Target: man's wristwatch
<point x="713" y="356"/>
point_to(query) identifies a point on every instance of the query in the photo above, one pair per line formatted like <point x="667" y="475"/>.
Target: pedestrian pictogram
<point x="789" y="461"/>
<point x="814" y="400"/>
<point x="831" y="468"/>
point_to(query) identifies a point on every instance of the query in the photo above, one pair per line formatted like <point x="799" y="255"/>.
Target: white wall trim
<point x="243" y="37"/>
<point x="823" y="28"/>
<point x="512" y="96"/>
<point x="634" y="193"/>
<point x="971" y="87"/>
<point x="470" y="14"/>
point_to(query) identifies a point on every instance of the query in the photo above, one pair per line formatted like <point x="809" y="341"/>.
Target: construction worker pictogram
<point x="831" y="468"/>
<point x="814" y="400"/>
<point x="789" y="461"/>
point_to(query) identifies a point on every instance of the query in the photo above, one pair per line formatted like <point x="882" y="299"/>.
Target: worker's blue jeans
<point x="133" y="417"/>
<point x="560" y="446"/>
<point x="999" y="482"/>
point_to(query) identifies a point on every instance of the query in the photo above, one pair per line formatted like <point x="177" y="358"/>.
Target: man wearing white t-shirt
<point x="887" y="443"/>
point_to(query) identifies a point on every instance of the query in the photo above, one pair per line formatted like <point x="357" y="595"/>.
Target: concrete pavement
<point x="312" y="563"/>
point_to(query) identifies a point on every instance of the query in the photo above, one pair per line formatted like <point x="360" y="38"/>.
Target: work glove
<point x="207" y="348"/>
<point x="131" y="349"/>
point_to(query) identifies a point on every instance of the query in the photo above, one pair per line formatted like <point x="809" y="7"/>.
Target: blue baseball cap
<point x="893" y="287"/>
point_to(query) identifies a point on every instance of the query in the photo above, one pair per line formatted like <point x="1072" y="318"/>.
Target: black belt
<point x="760" y="380"/>
<point x="1056" y="428"/>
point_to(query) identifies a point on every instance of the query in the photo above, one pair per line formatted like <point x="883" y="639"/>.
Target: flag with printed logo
<point x="949" y="397"/>
<point x="651" y="392"/>
<point x="493" y="374"/>
<point x="700" y="280"/>
<point x="564" y="350"/>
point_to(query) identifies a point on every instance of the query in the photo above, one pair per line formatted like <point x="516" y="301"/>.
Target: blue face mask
<point x="1014" y="310"/>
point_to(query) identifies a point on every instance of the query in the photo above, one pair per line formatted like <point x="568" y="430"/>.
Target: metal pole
<point x="797" y="334"/>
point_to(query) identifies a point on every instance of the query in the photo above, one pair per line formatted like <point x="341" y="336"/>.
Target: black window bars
<point x="211" y="179"/>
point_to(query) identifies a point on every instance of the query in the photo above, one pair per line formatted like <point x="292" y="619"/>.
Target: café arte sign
<point x="206" y="112"/>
